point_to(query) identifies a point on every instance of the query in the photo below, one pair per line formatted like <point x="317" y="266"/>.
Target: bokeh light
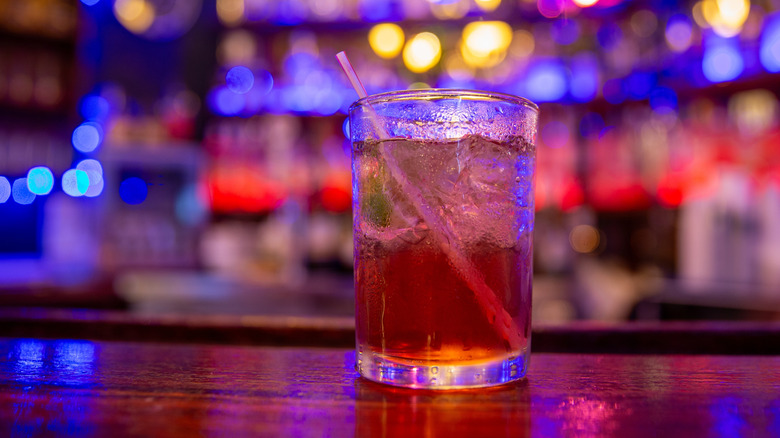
<point x="485" y="43"/>
<point x="40" y="180"/>
<point x="585" y="3"/>
<point x="769" y="52"/>
<point x="230" y="12"/>
<point x="5" y="189"/>
<point x="488" y="5"/>
<point x="523" y="44"/>
<point x="725" y="16"/>
<point x="345" y="128"/>
<point x="679" y="31"/>
<point x="663" y="100"/>
<point x="422" y="52"/>
<point x="224" y="102"/>
<point x="722" y="60"/>
<point x="21" y="194"/>
<point x="87" y="137"/>
<point x="550" y="8"/>
<point x="386" y="40"/>
<point x="546" y="81"/>
<point x="133" y="190"/>
<point x="644" y="23"/>
<point x="135" y="15"/>
<point x="93" y="107"/>
<point x="239" y="79"/>
<point x="450" y="9"/>
<point x="90" y="2"/>
<point x="613" y="91"/>
<point x="75" y="182"/>
<point x="584" y="239"/>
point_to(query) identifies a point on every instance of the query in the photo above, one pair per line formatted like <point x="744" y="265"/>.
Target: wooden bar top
<point x="107" y="388"/>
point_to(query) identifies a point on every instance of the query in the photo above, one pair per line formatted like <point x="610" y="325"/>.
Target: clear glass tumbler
<point x="443" y="202"/>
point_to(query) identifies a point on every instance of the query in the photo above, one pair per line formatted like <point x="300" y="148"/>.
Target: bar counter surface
<point x="61" y="387"/>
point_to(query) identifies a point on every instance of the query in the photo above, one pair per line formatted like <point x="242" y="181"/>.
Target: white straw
<point x="351" y="75"/>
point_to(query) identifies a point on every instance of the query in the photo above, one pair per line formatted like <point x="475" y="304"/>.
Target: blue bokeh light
<point x="613" y="91"/>
<point x="87" y="137"/>
<point x="133" y="190"/>
<point x="663" y="100"/>
<point x="224" y="102"/>
<point x="5" y="189"/>
<point x="290" y="12"/>
<point x="239" y="79"/>
<point x="40" y="180"/>
<point x="90" y="2"/>
<point x="378" y="10"/>
<point x="546" y="81"/>
<point x="722" y="60"/>
<point x="678" y="31"/>
<point x="769" y="52"/>
<point x="75" y="182"/>
<point x="639" y="84"/>
<point x="20" y="192"/>
<point x="264" y="82"/>
<point x="584" y="77"/>
<point x="90" y="165"/>
<point x="95" y="108"/>
<point x="555" y="134"/>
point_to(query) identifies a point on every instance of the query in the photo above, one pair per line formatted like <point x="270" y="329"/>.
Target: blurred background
<point x="190" y="156"/>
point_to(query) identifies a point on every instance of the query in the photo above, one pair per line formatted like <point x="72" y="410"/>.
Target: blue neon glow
<point x="224" y="102"/>
<point x="591" y="124"/>
<point x="75" y="182"/>
<point x="546" y="81"/>
<point x="565" y="31"/>
<point x="40" y="180"/>
<point x="584" y="77"/>
<point x="5" y="189"/>
<point x="722" y="60"/>
<point x="87" y="137"/>
<point x="133" y="190"/>
<point x="239" y="79"/>
<point x="94" y="107"/>
<point x="20" y="192"/>
<point x="769" y="53"/>
<point x="638" y="84"/>
<point x="663" y="100"/>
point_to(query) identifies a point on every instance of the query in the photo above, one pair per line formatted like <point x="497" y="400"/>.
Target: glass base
<point x="429" y="375"/>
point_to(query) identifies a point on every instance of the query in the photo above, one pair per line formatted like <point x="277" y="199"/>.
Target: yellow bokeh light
<point x="230" y="12"/>
<point x="584" y="239"/>
<point x="457" y="68"/>
<point x="698" y="16"/>
<point x="418" y="86"/>
<point x="488" y="5"/>
<point x="485" y="43"/>
<point x="451" y="11"/>
<point x="135" y="15"/>
<point x="386" y="39"/>
<point x="585" y="3"/>
<point x="422" y="52"/>
<point x="725" y="16"/>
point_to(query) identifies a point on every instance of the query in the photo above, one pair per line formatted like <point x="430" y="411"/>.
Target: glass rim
<point x="442" y="93"/>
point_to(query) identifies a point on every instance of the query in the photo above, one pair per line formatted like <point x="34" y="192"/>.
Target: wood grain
<point x="82" y="388"/>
